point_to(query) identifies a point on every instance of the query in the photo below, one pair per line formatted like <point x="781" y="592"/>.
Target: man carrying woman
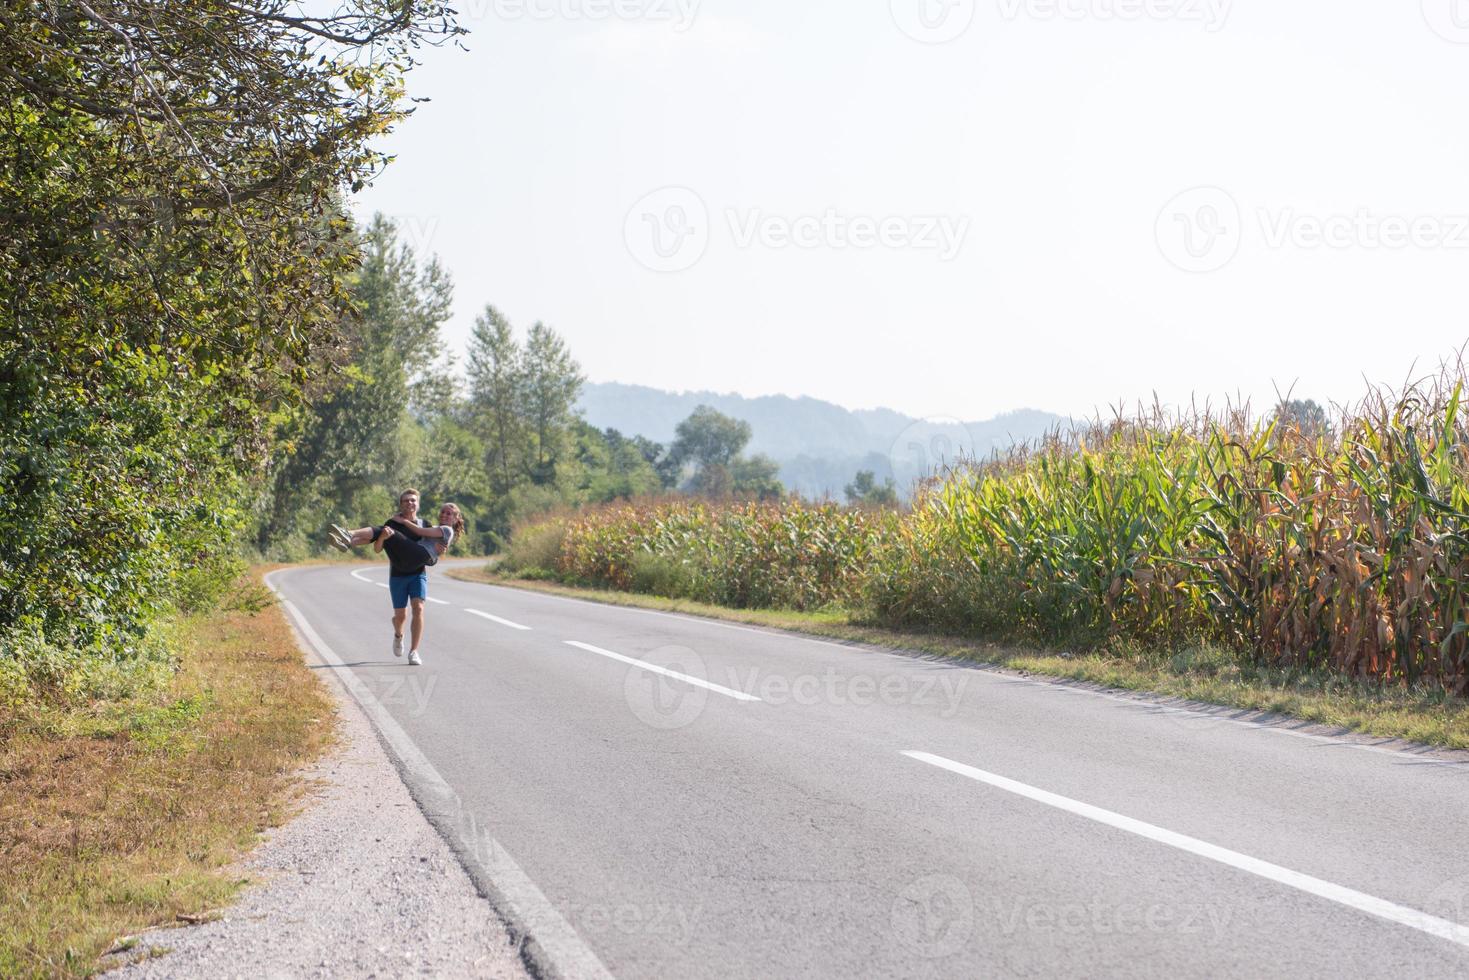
<point x="412" y="546"/>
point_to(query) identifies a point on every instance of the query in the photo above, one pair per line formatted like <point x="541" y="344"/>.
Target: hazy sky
<point x="954" y="207"/>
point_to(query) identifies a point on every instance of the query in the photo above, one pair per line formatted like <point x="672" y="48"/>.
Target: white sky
<point x="1052" y="133"/>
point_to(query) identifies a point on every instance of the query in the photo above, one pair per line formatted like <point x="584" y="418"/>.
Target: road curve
<point x="653" y="795"/>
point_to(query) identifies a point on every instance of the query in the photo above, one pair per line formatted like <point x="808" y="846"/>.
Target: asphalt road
<point x="651" y="795"/>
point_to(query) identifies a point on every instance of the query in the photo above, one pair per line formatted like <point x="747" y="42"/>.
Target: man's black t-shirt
<point x="407" y="554"/>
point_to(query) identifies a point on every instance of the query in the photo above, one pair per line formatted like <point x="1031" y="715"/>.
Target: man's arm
<point x="406" y="529"/>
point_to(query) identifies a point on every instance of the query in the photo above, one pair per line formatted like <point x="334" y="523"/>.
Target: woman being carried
<point x="408" y="543"/>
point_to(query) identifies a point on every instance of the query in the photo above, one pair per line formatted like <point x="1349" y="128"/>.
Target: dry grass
<point x="118" y="817"/>
<point x="1424" y="714"/>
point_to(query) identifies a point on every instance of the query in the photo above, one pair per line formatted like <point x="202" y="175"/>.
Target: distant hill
<point x="819" y="446"/>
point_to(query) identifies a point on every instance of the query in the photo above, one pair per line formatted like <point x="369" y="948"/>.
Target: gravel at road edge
<point x="357" y="885"/>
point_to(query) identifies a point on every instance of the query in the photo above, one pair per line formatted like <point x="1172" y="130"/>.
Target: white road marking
<point x="1000" y="675"/>
<point x="383" y="585"/>
<point x="496" y="619"/>
<point x="696" y="681"/>
<point x="1383" y="909"/>
<point x="526" y="903"/>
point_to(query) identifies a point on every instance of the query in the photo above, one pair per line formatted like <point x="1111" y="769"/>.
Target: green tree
<point x="348" y="449"/>
<point x="173" y="266"/>
<point x="711" y="442"/>
<point x="707" y="438"/>
<point x="551" y="382"/>
<point x="865" y="490"/>
<point x="1304" y="415"/>
<point x="496" y="380"/>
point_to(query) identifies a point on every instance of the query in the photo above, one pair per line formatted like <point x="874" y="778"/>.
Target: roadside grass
<point x="119" y="816"/>
<point x="1204" y="674"/>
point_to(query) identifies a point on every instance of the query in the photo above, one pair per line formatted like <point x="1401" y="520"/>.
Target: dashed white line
<point x="529" y="908"/>
<point x="1381" y="908"/>
<point x="496" y="619"/>
<point x="696" y="681"/>
<point x="999" y="675"/>
<point x="383" y="585"/>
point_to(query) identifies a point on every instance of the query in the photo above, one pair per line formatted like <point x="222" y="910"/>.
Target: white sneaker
<point x="414" y="660"/>
<point x="337" y="542"/>
<point x="397" y="646"/>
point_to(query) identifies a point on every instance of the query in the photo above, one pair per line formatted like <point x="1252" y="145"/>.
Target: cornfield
<point x="745" y="555"/>
<point x="1344" y="548"/>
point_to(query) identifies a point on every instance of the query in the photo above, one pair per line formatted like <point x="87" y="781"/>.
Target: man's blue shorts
<point x="402" y="587"/>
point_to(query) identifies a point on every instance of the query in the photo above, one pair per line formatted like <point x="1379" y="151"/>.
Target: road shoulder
<point x="358" y="884"/>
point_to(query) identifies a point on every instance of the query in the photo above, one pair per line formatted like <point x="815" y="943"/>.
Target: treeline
<point x="500" y="436"/>
<point x="176" y="275"/>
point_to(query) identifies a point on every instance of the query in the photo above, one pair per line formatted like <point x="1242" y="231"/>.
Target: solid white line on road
<point x="527" y="903"/>
<point x="1383" y="909"/>
<point x="496" y="619"/>
<point x="1001" y="676"/>
<point x="383" y="585"/>
<point x="696" y="681"/>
